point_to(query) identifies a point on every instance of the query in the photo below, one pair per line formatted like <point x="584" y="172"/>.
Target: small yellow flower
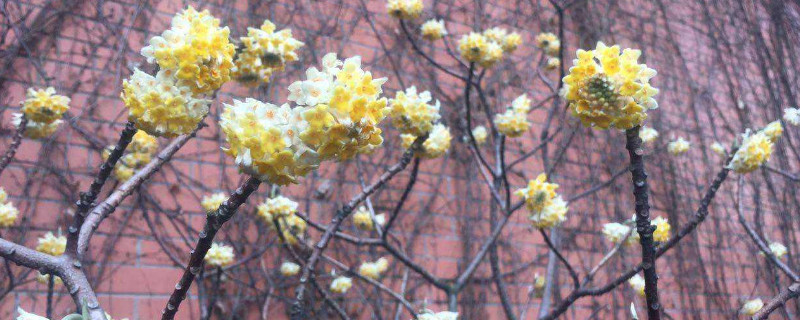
<point x="211" y="203"/>
<point x="777" y="249"/>
<point x="412" y="112"/>
<point x="754" y="152"/>
<point x="143" y="143"/>
<point x="369" y="270"/>
<point x="521" y="104"/>
<point x="678" y="146"/>
<point x="539" y="284"/>
<point x="52" y="244"/>
<point x="404" y="9"/>
<point x="511" y="123"/>
<point x="8" y="214"/>
<point x="473" y="47"/>
<point x="549" y="42"/>
<point x="480" y="134"/>
<point x="750" y="307"/>
<point x="278" y="206"/>
<point x="407" y="140"/>
<point x="637" y="284"/>
<point x="289" y="269"/>
<point x="219" y="255"/>
<point x="648" y="134"/>
<point x="661" y="234"/>
<point x="615" y="92"/>
<point x="511" y="42"/>
<point x="437" y="143"/>
<point x="718" y="148"/>
<point x="292" y="228"/>
<point x="123" y="172"/>
<point x="363" y="220"/>
<point x="433" y="30"/>
<point x="264" y="52"/>
<point x="792" y="116"/>
<point x="45" y="279"/>
<point x="546" y="208"/>
<point x="340" y="285"/>
<point x="774" y="130"/>
<point x="44" y="105"/>
<point x="616" y="232"/>
<point x="553" y="63"/>
<point x="36" y="130"/>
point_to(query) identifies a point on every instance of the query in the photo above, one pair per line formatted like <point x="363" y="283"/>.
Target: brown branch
<point x="790" y="292"/>
<point x="16" y="140"/>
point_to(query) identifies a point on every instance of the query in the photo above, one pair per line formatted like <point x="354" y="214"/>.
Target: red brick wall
<point x="86" y="49"/>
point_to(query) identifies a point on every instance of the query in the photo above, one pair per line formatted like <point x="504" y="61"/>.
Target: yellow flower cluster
<point x="52" y="244"/>
<point x="443" y="315"/>
<point x="195" y="49"/>
<point x="8" y="213"/>
<point x="437" y="143"/>
<point x="340" y="285"/>
<point x="546" y="208"/>
<point x="612" y="93"/>
<point x="373" y="270"/>
<point x="792" y="116"/>
<point x="44" y="105"/>
<point x="160" y="106"/>
<point x="751" y="307"/>
<point x="264" y="52"/>
<point x="36" y="130"/>
<point x="637" y="284"/>
<point x="45" y="279"/>
<point x="678" y="146"/>
<point x="342" y="108"/>
<point x="433" y="30"/>
<point x="292" y="227"/>
<point x="412" y="113"/>
<point x="363" y="220"/>
<point x="718" y="148"/>
<point x="219" y="255"/>
<point x="549" y="42"/>
<point x="615" y="232"/>
<point x="404" y="9"/>
<point x="141" y="150"/>
<point x="648" y="134"/>
<point x="755" y="151"/>
<point x="774" y="130"/>
<point x="488" y="48"/>
<point x="480" y="134"/>
<point x="553" y="63"/>
<point x="289" y="269"/>
<point x="211" y="203"/>
<point x="514" y="121"/>
<point x="661" y="234"/>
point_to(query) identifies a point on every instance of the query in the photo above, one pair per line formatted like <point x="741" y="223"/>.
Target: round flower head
<point x="511" y="123"/>
<point x="195" y="49"/>
<point x="444" y="315"/>
<point x="8" y="214"/>
<point x="437" y="143"/>
<point x="143" y="143"/>
<point x="44" y="105"/>
<point x="343" y="108"/>
<point x="777" y="249"/>
<point x="278" y="206"/>
<point x="495" y="34"/>
<point x="678" y="146"/>
<point x="340" y="285"/>
<point x="45" y="279"/>
<point x="494" y="52"/>
<point x="750" y="307"/>
<point x="363" y="220"/>
<point x="549" y="42"/>
<point x="264" y="52"/>
<point x="538" y="194"/>
<point x="161" y="107"/>
<point x="382" y="264"/>
<point x="123" y="172"/>
<point x="369" y="270"/>
<point x="404" y="9"/>
<point x="480" y="134"/>
<point x="607" y="89"/>
<point x="637" y="284"/>
<point x="433" y="30"/>
<point x="511" y="42"/>
<point x="661" y="234"/>
<point x="211" y="203"/>
<point x="521" y="104"/>
<point x="792" y="116"/>
<point x="264" y="139"/>
<point x="52" y="244"/>
<point x="773" y="130"/>
<point x="551" y="215"/>
<point x="36" y="130"/>
<point x="219" y="255"/>
<point x="718" y="148"/>
<point x="648" y="134"/>
<point x="289" y="269"/>
<point x="473" y="47"/>
<point x="292" y="228"/>
<point x="755" y="151"/>
<point x="412" y="113"/>
<point x="553" y="63"/>
<point x="616" y="232"/>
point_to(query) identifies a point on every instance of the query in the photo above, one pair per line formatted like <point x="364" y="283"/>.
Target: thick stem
<point x="643" y="226"/>
<point x="214" y="222"/>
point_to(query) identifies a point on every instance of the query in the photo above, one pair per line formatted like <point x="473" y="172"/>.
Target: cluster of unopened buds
<point x="219" y="255"/>
<point x="756" y="148"/>
<point x="362" y="218"/>
<point x="514" y="121"/>
<point x="551" y="46"/>
<point x="414" y="116"/>
<point x="546" y="208"/>
<point x="283" y="210"/>
<point x="43" y="109"/>
<point x="139" y="153"/>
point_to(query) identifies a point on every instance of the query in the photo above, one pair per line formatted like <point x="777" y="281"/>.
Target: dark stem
<point x="213" y="294"/>
<point x="214" y="222"/>
<point x="643" y="226"/>
<point x="50" y="288"/>
<point x="15" y="142"/>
